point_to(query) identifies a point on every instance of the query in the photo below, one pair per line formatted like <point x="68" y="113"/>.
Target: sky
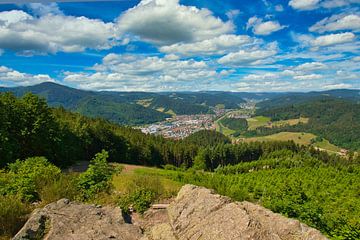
<point x="182" y="45"/>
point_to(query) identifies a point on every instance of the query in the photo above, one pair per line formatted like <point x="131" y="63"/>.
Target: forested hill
<point x="297" y="98"/>
<point x="131" y="108"/>
<point x="335" y="119"/>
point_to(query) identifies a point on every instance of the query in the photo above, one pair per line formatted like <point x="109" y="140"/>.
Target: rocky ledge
<point x="196" y="213"/>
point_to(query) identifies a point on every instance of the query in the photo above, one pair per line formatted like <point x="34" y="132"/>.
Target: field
<point x="144" y="102"/>
<point x="325" y="144"/>
<point x="258" y="121"/>
<point x="290" y="122"/>
<point x="299" y="138"/>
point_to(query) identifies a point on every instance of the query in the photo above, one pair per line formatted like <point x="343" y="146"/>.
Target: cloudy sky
<point x="172" y="45"/>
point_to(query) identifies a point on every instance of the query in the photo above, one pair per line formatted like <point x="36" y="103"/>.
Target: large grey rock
<point x="74" y="221"/>
<point x="198" y="213"/>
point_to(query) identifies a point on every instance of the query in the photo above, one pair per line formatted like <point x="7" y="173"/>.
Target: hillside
<point x="129" y="108"/>
<point x="297" y="98"/>
<point x="335" y="119"/>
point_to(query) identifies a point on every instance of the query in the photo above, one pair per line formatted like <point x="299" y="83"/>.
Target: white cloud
<point x="308" y="77"/>
<point x="167" y="22"/>
<point x="304" y="4"/>
<point x="217" y="45"/>
<point x="145" y="73"/>
<point x="263" y="28"/>
<point x="357" y="59"/>
<point x="10" y="77"/>
<point x="333" y="39"/>
<point x="312" y="66"/>
<point x="256" y="77"/>
<point x="25" y="34"/>
<point x="249" y="57"/>
<point x="336" y="23"/>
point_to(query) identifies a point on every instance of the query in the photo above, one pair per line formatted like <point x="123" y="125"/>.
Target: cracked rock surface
<point x="74" y="221"/>
<point x="198" y="213"/>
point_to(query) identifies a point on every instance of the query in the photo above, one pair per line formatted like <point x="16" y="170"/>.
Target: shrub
<point x="96" y="178"/>
<point x="140" y="200"/>
<point x="12" y="214"/>
<point x="25" y="178"/>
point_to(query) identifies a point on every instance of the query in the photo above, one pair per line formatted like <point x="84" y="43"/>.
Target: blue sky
<point x="171" y="45"/>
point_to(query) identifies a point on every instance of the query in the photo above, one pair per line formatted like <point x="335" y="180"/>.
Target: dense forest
<point x="334" y="119"/>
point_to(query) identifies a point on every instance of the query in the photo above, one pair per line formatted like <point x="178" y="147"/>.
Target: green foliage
<point x="140" y="200"/>
<point x="121" y="113"/>
<point x="206" y="138"/>
<point x="200" y="160"/>
<point x="27" y="128"/>
<point x="96" y="178"/>
<point x="236" y="124"/>
<point x="333" y="119"/>
<point x="63" y="186"/>
<point x="25" y="178"/>
<point x="12" y="215"/>
<point x="140" y="191"/>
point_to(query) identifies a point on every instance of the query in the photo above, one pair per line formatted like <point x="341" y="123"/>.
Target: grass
<point x="259" y="121"/>
<point x="145" y="102"/>
<point x="299" y="138"/>
<point x="137" y="177"/>
<point x="325" y="144"/>
<point x="290" y="122"/>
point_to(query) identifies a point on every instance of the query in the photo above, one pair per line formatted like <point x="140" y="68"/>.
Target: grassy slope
<point x="299" y="138"/>
<point x="258" y="121"/>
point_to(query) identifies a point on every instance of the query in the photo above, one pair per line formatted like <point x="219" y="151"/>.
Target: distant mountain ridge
<point x="136" y="108"/>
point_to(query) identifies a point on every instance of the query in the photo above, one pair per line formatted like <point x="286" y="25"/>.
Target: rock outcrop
<point x="197" y="213"/>
<point x="65" y="220"/>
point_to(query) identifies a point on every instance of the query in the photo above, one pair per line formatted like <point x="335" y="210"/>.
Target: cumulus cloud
<point x="218" y="45"/>
<point x="25" y="34"/>
<point x="10" y="77"/>
<point x="337" y="22"/>
<point x="263" y="28"/>
<point x="146" y="73"/>
<point x="304" y="4"/>
<point x="333" y="39"/>
<point x="167" y="22"/>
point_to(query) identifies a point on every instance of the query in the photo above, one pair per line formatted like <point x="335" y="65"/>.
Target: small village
<point x="181" y="126"/>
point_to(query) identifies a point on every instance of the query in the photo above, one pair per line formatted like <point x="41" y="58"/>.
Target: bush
<point x="26" y="178"/>
<point x="96" y="178"/>
<point x="12" y="215"/>
<point x="140" y="200"/>
<point x="139" y="192"/>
